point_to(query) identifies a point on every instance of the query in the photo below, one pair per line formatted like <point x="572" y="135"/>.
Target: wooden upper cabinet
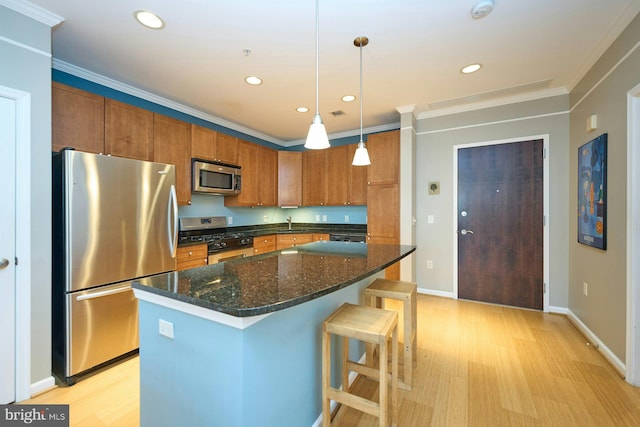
<point x="248" y="160"/>
<point x="172" y="144"/>
<point x="384" y="152"/>
<point x="207" y="144"/>
<point x="128" y="131"/>
<point x="227" y="149"/>
<point x="336" y="176"/>
<point x="77" y="119"/>
<point x="357" y="180"/>
<point x="268" y="173"/>
<point x="345" y="184"/>
<point x="313" y="177"/>
<point x="289" y="178"/>
<point x="203" y="143"/>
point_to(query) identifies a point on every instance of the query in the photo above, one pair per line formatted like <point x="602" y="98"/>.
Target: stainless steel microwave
<point x="216" y="178"/>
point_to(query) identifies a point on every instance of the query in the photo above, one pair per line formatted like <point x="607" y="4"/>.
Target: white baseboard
<point x="558" y="310"/>
<point x="596" y="342"/>
<point x="435" y="293"/>
<point x="42" y="386"/>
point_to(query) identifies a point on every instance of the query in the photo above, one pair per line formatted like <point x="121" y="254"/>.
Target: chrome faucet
<point x="289" y="221"/>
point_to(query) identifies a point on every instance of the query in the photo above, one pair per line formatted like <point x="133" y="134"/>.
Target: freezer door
<point x="102" y="325"/>
<point x="121" y="219"/>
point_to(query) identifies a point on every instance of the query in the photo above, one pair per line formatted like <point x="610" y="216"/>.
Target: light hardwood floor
<point x="478" y="365"/>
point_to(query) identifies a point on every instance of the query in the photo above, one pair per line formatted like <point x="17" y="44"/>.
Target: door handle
<point x="4" y="263"/>
<point x="465" y="232"/>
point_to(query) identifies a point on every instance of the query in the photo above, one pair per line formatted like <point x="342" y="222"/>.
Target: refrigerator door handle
<point x="103" y="293"/>
<point x="172" y="208"/>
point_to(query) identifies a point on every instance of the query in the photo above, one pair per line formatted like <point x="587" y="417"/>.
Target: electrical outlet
<point x="317" y="218"/>
<point x="346" y="218"/>
<point x="324" y="218"/>
<point x="229" y="220"/>
<point x="430" y="219"/>
<point x="585" y="288"/>
<point x="265" y="219"/>
<point x="165" y="328"/>
<point x="429" y="264"/>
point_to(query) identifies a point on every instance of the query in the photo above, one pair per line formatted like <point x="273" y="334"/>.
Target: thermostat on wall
<point x="434" y="187"/>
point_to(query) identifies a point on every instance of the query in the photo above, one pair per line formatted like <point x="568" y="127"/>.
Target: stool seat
<point x="373" y="326"/>
<point x="407" y="293"/>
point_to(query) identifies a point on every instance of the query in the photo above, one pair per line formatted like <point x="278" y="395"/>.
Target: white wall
<point x="25" y="55"/>
<point x="603" y="92"/>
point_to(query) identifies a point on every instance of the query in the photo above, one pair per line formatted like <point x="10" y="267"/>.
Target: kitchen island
<point x="239" y="343"/>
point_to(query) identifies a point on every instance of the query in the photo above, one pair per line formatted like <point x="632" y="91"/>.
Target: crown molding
<point x="148" y="96"/>
<point x="33" y="11"/>
<point x="547" y="93"/>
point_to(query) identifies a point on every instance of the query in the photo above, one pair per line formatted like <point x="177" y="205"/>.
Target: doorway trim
<point x="632" y="356"/>
<point x="23" y="244"/>
<point x="545" y="209"/>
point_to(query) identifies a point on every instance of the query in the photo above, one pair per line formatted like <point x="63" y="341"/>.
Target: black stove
<point x="213" y="232"/>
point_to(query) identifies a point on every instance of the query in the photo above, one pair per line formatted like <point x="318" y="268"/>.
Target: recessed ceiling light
<point x="348" y="98"/>
<point x="302" y="110"/>
<point x="148" y="19"/>
<point x="482" y="9"/>
<point x="253" y="80"/>
<point x="471" y="68"/>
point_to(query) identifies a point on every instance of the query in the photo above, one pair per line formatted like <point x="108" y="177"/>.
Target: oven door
<point x="229" y="255"/>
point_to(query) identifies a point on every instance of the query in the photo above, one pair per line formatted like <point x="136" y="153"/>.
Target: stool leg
<point x="383" y="384"/>
<point x="394" y="378"/>
<point x="371" y="348"/>
<point x="408" y="341"/>
<point x="326" y="374"/>
<point x="414" y="323"/>
<point x="345" y="358"/>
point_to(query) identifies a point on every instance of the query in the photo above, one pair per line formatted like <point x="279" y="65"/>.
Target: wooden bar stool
<point x="371" y="325"/>
<point x="405" y="292"/>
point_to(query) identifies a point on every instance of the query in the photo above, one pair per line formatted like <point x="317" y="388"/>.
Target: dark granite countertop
<point x="275" y="280"/>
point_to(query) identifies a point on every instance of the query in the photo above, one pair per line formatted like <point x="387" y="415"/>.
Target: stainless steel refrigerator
<point x="114" y="220"/>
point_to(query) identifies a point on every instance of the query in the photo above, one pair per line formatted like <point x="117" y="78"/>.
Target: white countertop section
<point x="194" y="310"/>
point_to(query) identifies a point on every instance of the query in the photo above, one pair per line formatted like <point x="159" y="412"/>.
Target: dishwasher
<point x="348" y="237"/>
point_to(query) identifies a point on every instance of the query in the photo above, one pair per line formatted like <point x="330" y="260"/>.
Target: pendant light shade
<point x="361" y="158"/>
<point x="317" y="138"/>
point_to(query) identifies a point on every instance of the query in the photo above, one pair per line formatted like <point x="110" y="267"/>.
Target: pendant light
<point x="317" y="138"/>
<point x="361" y="158"/>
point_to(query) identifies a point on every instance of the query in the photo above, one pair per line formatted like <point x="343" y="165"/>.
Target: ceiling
<point x="529" y="49"/>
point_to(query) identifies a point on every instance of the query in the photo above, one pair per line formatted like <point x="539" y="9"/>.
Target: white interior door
<point x="7" y="250"/>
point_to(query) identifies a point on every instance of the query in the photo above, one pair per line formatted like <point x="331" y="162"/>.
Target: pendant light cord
<point x="361" y="92"/>
<point x="317" y="54"/>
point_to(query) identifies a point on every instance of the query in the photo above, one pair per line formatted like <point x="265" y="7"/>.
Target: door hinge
<point x="544" y="153"/>
<point x="544" y="287"/>
<point x="16" y="260"/>
<point x="544" y="220"/>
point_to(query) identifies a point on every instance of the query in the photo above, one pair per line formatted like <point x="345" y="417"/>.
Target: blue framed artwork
<point x="592" y="193"/>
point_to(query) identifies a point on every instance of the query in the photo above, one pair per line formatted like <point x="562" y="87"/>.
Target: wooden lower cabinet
<point x="320" y="236"/>
<point x="290" y="240"/>
<point x="262" y="244"/>
<point x="191" y="257"/>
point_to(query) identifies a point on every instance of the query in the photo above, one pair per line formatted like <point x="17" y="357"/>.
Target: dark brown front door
<point x="500" y="224"/>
